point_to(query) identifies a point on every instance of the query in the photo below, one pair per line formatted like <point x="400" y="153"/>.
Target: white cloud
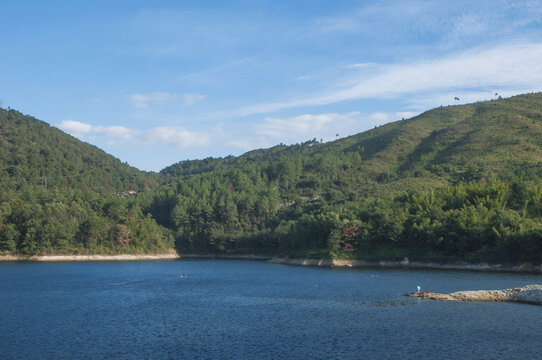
<point x="380" y="117"/>
<point x="174" y="136"/>
<point x="119" y="132"/>
<point x="75" y="128"/>
<point x="114" y="135"/>
<point x="405" y="114"/>
<point x="297" y="129"/>
<point x="302" y="124"/>
<point x="308" y="126"/>
<point x="508" y="67"/>
<point x="189" y="99"/>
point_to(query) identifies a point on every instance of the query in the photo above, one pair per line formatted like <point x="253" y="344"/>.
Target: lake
<point x="248" y="309"/>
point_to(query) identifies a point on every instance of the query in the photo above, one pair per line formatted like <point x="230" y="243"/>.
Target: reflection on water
<point x="244" y="309"/>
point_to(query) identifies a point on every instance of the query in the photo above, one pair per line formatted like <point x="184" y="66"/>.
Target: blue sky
<point x="154" y="83"/>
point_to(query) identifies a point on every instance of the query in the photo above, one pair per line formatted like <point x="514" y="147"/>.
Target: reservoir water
<point x="248" y="309"/>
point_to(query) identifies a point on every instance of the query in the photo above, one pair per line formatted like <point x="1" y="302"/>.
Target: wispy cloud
<point x="437" y="22"/>
<point x="360" y="65"/>
<point x="173" y="136"/>
<point x="468" y="25"/>
<point x="326" y="127"/>
<point x="502" y="68"/>
<point x="298" y="125"/>
<point x="320" y="126"/>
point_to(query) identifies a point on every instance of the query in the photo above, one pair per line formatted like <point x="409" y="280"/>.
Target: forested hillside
<point x="454" y="183"/>
<point x="457" y="182"/>
<point x="33" y="152"/>
<point x="60" y="195"/>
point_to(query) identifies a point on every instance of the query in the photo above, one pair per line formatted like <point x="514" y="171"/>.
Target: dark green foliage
<point x="455" y="183"/>
<point x="60" y="195"/>
<point x="34" y="153"/>
<point x="66" y="221"/>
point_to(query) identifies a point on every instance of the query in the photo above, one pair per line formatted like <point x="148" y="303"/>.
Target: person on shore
<point x="418" y="289"/>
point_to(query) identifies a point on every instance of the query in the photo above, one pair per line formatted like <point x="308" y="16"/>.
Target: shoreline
<point x="224" y="257"/>
<point x="405" y="264"/>
<point x="76" y="258"/>
<point x="128" y="257"/>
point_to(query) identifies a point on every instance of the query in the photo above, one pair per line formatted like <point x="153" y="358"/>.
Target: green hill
<point x="60" y="195"/>
<point x="385" y="192"/>
<point x="33" y="152"/>
<point x="447" y="144"/>
<point x="454" y="183"/>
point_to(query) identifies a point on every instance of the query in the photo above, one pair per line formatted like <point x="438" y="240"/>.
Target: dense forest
<point x="62" y="196"/>
<point x="454" y="183"/>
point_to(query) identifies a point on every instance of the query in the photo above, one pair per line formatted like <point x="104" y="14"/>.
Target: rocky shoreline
<point x="406" y="264"/>
<point x="223" y="257"/>
<point x="530" y="294"/>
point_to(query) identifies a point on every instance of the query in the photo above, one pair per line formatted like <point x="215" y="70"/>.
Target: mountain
<point x="59" y="195"/>
<point x="33" y="152"/>
<point x="457" y="182"/>
<point x="446" y="144"/>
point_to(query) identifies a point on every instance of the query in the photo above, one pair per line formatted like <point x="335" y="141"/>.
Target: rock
<point x="526" y="267"/>
<point x="530" y="294"/>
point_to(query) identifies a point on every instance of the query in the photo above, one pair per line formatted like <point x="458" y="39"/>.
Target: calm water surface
<point x="247" y="309"/>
